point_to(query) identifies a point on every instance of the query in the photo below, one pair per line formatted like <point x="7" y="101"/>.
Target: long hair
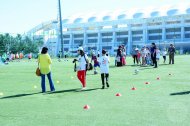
<point x="81" y="52"/>
<point x="44" y="50"/>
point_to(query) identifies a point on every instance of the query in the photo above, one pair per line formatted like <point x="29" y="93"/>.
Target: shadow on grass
<point x="73" y="90"/>
<point x="20" y="95"/>
<point x="181" y="93"/>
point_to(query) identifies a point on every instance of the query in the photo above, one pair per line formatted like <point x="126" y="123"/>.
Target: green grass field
<point x="164" y="102"/>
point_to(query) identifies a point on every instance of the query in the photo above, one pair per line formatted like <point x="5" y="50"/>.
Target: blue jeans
<point x="43" y="82"/>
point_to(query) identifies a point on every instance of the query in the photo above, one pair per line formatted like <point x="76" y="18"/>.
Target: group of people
<point x="44" y="62"/>
<point x="120" y="59"/>
<point x="7" y="57"/>
<point x="151" y="56"/>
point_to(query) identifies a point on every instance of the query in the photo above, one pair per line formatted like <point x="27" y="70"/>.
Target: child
<point x="164" y="52"/>
<point x="157" y="54"/>
<point x="104" y="68"/>
<point x="148" y="59"/>
<point x="96" y="63"/>
<point x="138" y="57"/>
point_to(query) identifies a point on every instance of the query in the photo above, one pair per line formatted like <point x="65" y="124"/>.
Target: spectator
<point x="44" y="62"/>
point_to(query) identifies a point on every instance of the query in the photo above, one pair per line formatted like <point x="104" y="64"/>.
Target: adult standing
<point x="119" y="56"/>
<point x="134" y="55"/>
<point x="44" y="62"/>
<point x="153" y="55"/>
<point x="171" y="52"/>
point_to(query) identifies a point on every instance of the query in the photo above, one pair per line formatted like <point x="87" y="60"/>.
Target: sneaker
<point x="103" y="87"/>
<point x="108" y="85"/>
<point x="83" y="88"/>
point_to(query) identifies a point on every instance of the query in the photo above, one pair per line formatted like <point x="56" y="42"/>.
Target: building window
<point x="66" y="36"/>
<point x="187" y="28"/>
<point x="173" y="22"/>
<point x="107" y="40"/>
<point x="92" y="35"/>
<point x="136" y="25"/>
<point x="187" y="21"/>
<point x="107" y="34"/>
<point x="157" y="37"/>
<point x="168" y="30"/>
<point x="78" y="36"/>
<point x="122" y="39"/>
<point x="138" y="38"/>
<point x="92" y="40"/>
<point x="153" y="31"/>
<point x="122" y="33"/>
<point x="176" y="36"/>
<point x="66" y="49"/>
<point x="107" y="47"/>
<point x="155" y="24"/>
<point x="187" y="35"/>
<point x="78" y="42"/>
<point x="66" y="41"/>
<point x="137" y="32"/>
<point x="92" y="48"/>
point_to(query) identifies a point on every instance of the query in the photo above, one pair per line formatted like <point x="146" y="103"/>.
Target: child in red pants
<point x="81" y="68"/>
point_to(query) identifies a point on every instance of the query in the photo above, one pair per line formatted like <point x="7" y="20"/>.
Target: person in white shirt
<point x="81" y="68"/>
<point x="104" y="68"/>
<point x="157" y="54"/>
<point x="164" y="52"/>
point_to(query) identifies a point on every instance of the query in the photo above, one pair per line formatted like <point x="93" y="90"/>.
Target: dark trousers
<point x="103" y="76"/>
<point x="171" y="58"/>
<point x="164" y="57"/>
<point x="153" y="56"/>
<point x="135" y="58"/>
<point x="43" y="83"/>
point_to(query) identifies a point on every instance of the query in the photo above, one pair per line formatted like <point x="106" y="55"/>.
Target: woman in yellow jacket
<point x="44" y="61"/>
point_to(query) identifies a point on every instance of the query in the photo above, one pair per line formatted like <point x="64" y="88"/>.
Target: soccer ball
<point x="136" y="71"/>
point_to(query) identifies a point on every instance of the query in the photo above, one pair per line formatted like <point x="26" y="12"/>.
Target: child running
<point x="96" y="63"/>
<point x="104" y="68"/>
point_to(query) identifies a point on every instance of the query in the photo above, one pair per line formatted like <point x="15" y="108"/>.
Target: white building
<point x="135" y="27"/>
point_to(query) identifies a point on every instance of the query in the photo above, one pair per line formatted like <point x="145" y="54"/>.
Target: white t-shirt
<point x="82" y="62"/>
<point x="164" y="53"/>
<point x="104" y="64"/>
<point x="157" y="54"/>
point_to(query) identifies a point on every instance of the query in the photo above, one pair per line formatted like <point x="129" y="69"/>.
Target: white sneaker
<point x="84" y="88"/>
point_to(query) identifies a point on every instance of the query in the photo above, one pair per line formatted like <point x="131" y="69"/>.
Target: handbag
<point x="88" y="65"/>
<point x="38" y="73"/>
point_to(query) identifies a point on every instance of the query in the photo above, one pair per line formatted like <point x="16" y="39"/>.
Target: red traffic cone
<point x="133" y="88"/>
<point x="147" y="82"/>
<point x="118" y="94"/>
<point x="158" y="78"/>
<point x="86" y="107"/>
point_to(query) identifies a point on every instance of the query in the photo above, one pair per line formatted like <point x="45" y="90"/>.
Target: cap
<point x="80" y="48"/>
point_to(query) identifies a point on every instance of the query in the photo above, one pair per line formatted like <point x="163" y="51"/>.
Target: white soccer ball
<point x="136" y="71"/>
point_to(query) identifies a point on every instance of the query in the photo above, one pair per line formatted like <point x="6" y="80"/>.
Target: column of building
<point x="99" y="39"/>
<point x="130" y="43"/>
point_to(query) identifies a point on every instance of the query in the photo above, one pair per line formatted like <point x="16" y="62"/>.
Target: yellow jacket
<point x="44" y="61"/>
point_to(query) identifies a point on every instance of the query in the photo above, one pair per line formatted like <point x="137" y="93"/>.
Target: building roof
<point x="149" y="12"/>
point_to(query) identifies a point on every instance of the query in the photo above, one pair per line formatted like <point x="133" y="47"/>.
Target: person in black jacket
<point x="153" y="55"/>
<point x="171" y="52"/>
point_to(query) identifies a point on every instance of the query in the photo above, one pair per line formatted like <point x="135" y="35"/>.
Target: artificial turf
<point x="163" y="102"/>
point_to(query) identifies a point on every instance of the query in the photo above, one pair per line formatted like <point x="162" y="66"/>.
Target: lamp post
<point x="60" y="27"/>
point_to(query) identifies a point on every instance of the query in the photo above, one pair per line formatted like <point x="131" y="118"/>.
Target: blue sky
<point x="19" y="16"/>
